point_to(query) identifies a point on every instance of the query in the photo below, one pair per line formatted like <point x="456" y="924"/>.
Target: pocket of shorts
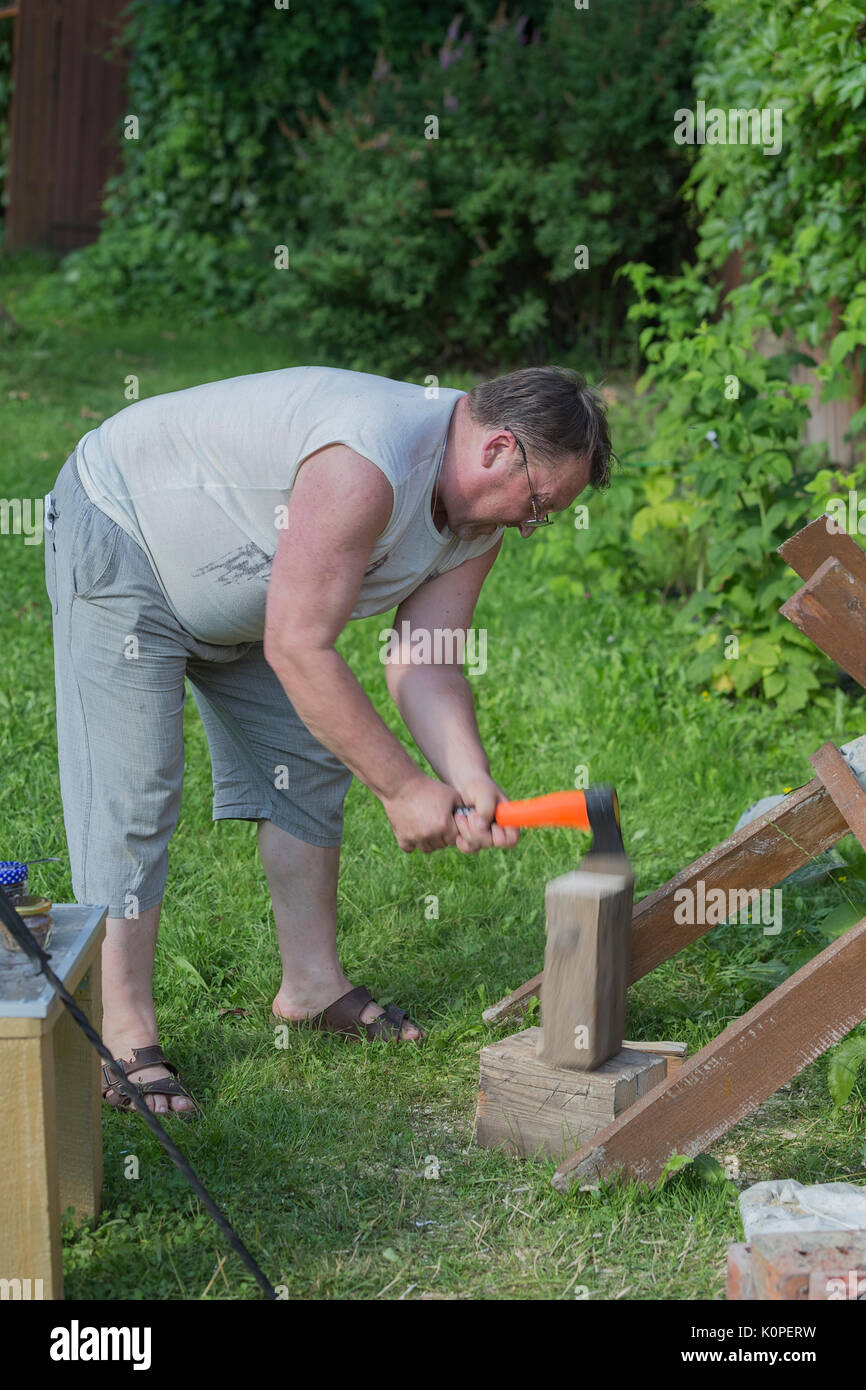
<point x="51" y="570"/>
<point x="95" y="546"/>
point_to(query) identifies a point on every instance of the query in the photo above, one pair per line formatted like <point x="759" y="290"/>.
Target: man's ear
<point x="494" y="446"/>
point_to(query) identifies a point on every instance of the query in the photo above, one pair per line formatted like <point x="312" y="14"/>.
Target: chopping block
<point x="551" y="1089"/>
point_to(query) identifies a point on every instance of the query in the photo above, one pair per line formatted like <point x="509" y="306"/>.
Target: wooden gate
<point x="64" y="126"/>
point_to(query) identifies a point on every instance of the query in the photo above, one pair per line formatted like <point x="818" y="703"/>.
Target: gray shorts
<point x="121" y="656"/>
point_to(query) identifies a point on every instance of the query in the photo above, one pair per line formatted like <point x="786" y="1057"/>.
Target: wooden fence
<point x="65" y="119"/>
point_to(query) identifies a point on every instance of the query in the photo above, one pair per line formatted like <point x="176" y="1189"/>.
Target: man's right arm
<point x="340" y="504"/>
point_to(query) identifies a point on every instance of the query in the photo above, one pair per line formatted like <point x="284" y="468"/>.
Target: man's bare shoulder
<point x="336" y="476"/>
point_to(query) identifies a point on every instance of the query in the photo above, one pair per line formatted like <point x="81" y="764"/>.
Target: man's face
<point x="491" y="487"/>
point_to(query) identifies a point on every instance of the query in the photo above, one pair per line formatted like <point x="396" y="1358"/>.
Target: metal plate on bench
<point x="24" y="990"/>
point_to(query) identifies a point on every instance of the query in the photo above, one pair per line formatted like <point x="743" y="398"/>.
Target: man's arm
<point x="340" y="504"/>
<point x="436" y="701"/>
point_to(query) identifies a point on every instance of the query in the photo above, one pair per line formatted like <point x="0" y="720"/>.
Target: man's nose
<point x="525" y="531"/>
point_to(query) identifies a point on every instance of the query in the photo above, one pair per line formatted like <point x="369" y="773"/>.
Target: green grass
<point x="318" y="1152"/>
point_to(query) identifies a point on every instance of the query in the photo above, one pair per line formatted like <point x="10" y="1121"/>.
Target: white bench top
<point x="24" y="990"/>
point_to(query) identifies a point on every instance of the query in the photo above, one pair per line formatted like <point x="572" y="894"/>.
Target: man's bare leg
<point x="303" y="883"/>
<point x="128" y="1016"/>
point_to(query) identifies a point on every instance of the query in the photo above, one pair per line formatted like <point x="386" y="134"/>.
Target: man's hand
<point x="421" y="814"/>
<point x="479" y="830"/>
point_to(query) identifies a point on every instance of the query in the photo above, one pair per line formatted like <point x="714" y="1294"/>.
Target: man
<point x="226" y="534"/>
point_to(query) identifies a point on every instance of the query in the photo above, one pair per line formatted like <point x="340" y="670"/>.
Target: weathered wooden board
<point x="831" y="610"/>
<point x="847" y="793"/>
<point x="527" y="1107"/>
<point x="586" y="963"/>
<point x="730" y="1077"/>
<point x="808" y="549"/>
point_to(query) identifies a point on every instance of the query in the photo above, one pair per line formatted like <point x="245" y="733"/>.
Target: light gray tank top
<point x="201" y="479"/>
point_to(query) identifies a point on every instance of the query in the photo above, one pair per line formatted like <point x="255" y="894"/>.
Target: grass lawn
<point x="322" y="1154"/>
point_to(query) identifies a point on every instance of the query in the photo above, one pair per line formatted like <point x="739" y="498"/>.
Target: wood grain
<point x="848" y="796"/>
<point x="808" y="549"/>
<point x="586" y="963"/>
<point x="830" y="610"/>
<point x="527" y="1107"/>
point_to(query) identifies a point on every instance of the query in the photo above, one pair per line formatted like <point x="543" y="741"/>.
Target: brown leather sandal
<point x="344" y="1018"/>
<point x="142" y="1059"/>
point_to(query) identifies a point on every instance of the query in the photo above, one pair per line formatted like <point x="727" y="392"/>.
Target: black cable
<point x="28" y="943"/>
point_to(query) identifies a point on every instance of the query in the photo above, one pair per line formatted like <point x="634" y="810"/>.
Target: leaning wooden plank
<point x="586" y="963"/>
<point x="515" y="1004"/>
<point x="830" y="610"/>
<point x="808" y="549"/>
<point x="757" y="856"/>
<point x="730" y="1077"/>
<point x="846" y="791"/>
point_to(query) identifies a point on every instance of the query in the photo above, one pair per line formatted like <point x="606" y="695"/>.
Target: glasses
<point x="535" y="520"/>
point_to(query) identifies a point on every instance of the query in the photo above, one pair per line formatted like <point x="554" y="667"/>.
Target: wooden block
<point x="50" y="1122"/>
<point x="808" y="549"/>
<point x="755" y="1055"/>
<point x="674" y="1053"/>
<point x="831" y="610"/>
<point x="528" y="1107"/>
<point x="29" y="1184"/>
<point x="586" y="963"/>
<point x="809" y="1265"/>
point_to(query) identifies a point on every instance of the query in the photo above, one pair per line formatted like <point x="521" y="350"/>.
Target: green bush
<point x="262" y="128"/>
<point x="727" y="416"/>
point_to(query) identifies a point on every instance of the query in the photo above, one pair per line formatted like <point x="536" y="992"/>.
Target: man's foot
<point x="296" y="1009"/>
<point x="145" y="1072"/>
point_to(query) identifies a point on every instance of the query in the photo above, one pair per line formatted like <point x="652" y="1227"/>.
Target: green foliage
<point x="845" y="1062"/>
<point x="727" y="415"/>
<point x="264" y="128"/>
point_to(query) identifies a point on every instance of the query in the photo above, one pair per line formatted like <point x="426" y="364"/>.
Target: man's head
<point x="560" y="423"/>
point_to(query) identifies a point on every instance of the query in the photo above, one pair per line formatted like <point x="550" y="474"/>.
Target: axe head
<point x="602" y="809"/>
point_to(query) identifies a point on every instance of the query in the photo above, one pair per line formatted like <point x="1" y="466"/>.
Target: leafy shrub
<point x="256" y="132"/>
<point x="727" y="415"/>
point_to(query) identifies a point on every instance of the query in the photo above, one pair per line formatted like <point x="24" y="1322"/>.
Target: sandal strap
<point x="390" y="1022"/>
<point x="153" y="1056"/>
<point x="164" y="1086"/>
<point x="143" y="1058"/>
<point x="344" y="1015"/>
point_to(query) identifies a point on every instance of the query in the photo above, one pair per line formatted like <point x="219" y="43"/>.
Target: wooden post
<point x="586" y="963"/>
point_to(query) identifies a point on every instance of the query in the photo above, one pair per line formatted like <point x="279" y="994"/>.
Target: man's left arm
<point x="435" y="699"/>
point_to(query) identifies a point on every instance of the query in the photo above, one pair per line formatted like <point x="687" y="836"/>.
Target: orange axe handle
<point x="556" y="808"/>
